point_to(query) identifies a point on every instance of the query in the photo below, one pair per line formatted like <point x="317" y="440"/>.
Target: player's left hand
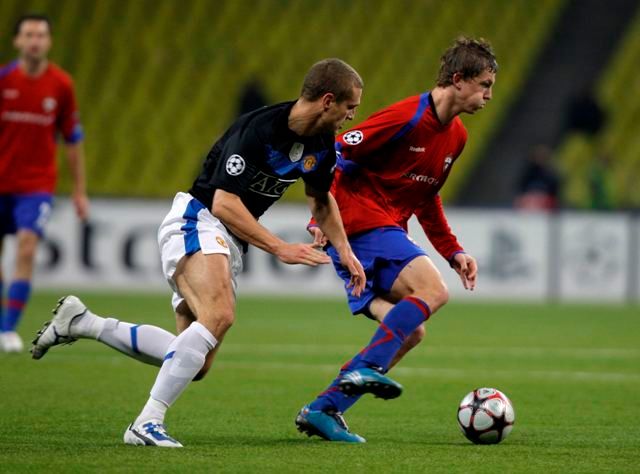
<point x="358" y="278"/>
<point x="81" y="203"/>
<point x="467" y="268"/>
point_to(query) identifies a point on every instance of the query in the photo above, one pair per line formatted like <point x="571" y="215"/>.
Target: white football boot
<point x="11" y="341"/>
<point x="58" y="330"/>
<point x="150" y="433"/>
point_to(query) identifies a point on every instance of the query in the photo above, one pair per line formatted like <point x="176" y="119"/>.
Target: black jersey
<point x="259" y="157"/>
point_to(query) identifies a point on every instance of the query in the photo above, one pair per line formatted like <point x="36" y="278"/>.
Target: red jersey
<point x="32" y="111"/>
<point x="392" y="166"/>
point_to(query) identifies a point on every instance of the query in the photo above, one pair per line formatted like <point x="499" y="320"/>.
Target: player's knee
<point x="442" y="295"/>
<point x="27" y="252"/>
<point x="226" y="320"/>
<point x="218" y="322"/>
<point x="436" y="296"/>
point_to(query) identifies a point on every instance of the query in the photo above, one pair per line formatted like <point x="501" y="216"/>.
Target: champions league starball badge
<point x="353" y="137"/>
<point x="235" y="165"/>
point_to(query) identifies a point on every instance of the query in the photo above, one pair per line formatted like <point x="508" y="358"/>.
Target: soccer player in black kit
<point x="203" y="236"/>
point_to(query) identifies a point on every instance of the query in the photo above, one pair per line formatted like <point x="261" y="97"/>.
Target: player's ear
<point x="328" y="99"/>
<point x="457" y="79"/>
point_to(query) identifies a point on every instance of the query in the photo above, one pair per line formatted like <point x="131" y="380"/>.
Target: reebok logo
<point x="417" y="149"/>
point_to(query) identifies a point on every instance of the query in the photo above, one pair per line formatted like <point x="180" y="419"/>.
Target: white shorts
<point x="188" y="228"/>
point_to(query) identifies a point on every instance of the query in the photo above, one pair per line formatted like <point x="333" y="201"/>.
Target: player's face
<point x="339" y="112"/>
<point x="476" y="92"/>
<point x="33" y="41"/>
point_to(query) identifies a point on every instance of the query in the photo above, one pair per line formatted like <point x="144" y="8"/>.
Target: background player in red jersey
<point x="391" y="167"/>
<point x="37" y="101"/>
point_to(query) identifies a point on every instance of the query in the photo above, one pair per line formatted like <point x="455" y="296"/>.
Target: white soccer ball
<point x="486" y="416"/>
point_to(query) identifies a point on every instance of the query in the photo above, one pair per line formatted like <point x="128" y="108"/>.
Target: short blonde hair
<point x="330" y="75"/>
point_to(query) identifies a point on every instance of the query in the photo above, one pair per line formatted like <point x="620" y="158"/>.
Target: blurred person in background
<point x="391" y="167"/>
<point x="600" y="182"/>
<point x="539" y="184"/>
<point x="584" y="113"/>
<point x="252" y="97"/>
<point x="37" y="102"/>
<point x="207" y="230"/>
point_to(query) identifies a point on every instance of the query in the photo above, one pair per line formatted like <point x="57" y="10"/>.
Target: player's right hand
<point x="319" y="239"/>
<point x="81" y="204"/>
<point x="306" y="254"/>
<point x="358" y="278"/>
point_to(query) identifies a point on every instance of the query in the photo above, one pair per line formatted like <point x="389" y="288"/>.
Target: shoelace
<point x="340" y="419"/>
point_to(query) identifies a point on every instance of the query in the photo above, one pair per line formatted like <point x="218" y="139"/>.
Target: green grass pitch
<point x="572" y="372"/>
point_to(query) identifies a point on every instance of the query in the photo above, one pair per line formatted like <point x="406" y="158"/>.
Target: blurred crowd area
<point x="158" y="81"/>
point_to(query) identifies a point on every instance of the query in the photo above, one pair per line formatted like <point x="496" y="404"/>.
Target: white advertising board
<point x="511" y="250"/>
<point x="594" y="261"/>
<point x="521" y="256"/>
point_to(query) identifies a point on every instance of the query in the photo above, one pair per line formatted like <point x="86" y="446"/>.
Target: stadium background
<point x="159" y="81"/>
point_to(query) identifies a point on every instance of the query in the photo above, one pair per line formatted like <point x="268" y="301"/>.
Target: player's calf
<point x="409" y="343"/>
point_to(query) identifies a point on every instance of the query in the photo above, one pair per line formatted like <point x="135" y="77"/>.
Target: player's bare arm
<point x="228" y="207"/>
<point x="75" y="156"/>
<point x="325" y="211"/>
<point x="467" y="268"/>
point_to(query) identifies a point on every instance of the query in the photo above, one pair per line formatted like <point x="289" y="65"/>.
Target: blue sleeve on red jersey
<point x="362" y="143"/>
<point x="346" y="166"/>
<point x="76" y="135"/>
<point x="6" y="69"/>
<point x="422" y="106"/>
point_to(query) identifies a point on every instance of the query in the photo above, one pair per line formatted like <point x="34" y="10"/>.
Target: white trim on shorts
<point x="188" y="228"/>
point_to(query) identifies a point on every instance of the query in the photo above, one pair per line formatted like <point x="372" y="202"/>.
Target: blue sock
<point x="397" y="325"/>
<point x="17" y="297"/>
<point x="332" y="398"/>
<point x="401" y="321"/>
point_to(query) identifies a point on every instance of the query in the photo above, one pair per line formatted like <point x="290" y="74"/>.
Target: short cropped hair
<point x="468" y="56"/>
<point x="330" y="75"/>
<point x="30" y="17"/>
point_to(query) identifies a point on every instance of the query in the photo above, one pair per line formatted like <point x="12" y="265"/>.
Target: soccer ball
<point x="486" y="416"/>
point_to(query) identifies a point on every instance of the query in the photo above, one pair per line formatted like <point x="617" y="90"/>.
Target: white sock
<point x="145" y="343"/>
<point x="153" y="410"/>
<point x="86" y="326"/>
<point x="185" y="357"/>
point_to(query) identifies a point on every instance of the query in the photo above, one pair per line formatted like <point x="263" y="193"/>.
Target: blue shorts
<point x="383" y="253"/>
<point x="29" y="211"/>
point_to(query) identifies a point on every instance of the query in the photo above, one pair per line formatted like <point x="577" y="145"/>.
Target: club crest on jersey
<point x="447" y="162"/>
<point x="235" y="165"/>
<point x="296" y="152"/>
<point x="221" y="242"/>
<point x="309" y="162"/>
<point x="353" y="137"/>
<point x="48" y="104"/>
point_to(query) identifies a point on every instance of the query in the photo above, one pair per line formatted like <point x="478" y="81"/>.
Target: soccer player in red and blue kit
<point x="390" y="168"/>
<point x="37" y="102"/>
